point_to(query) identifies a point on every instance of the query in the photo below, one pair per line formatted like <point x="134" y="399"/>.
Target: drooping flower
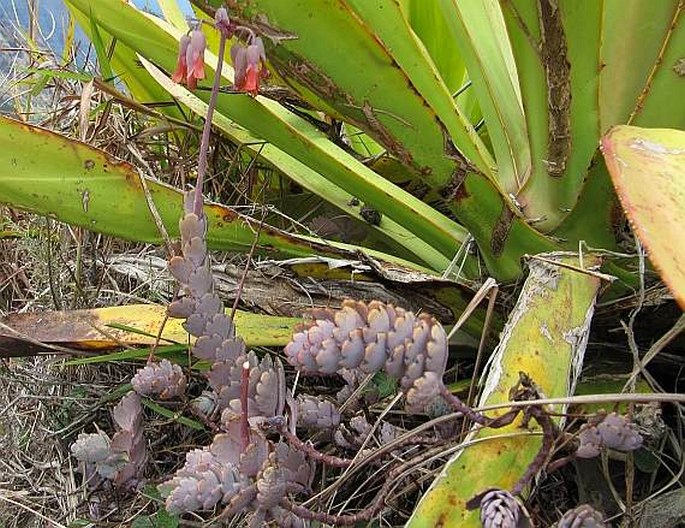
<point x="181" y="72"/>
<point x="250" y="66"/>
<point x="195" y="58"/>
<point x="190" y="65"/>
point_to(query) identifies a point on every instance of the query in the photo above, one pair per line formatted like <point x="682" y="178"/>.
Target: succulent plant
<point x="257" y="475"/>
<point x="500" y="509"/>
<point x="121" y="458"/>
<point x="163" y="379"/>
<point x="375" y="337"/>
<point x="583" y="516"/>
<point x="92" y="448"/>
<point x="619" y="433"/>
<point x="316" y="413"/>
<point x="613" y="431"/>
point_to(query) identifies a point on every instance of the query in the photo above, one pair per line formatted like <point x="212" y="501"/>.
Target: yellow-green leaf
<point x="647" y="167"/>
<point x="545" y="338"/>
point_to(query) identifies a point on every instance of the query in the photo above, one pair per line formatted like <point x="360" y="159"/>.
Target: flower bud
<point x="223" y="23"/>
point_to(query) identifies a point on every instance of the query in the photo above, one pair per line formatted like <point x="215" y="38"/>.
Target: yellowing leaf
<point x="101" y="328"/>
<point x="647" y="168"/>
<point x="545" y="338"/>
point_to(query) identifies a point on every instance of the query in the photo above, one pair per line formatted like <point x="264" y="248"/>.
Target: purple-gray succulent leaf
<point x="590" y="442"/>
<point x="181" y="308"/>
<point x="205" y="404"/>
<point x="163" y="379"/>
<point x="210" y="304"/>
<point x="91" y="447"/>
<point x="128" y="412"/>
<point x="200" y="282"/>
<point x="423" y="393"/>
<point x="316" y="413"/>
<point x="375" y="355"/>
<point x="499" y="509"/>
<point x="180" y="268"/>
<point x="271" y="487"/>
<point x="617" y="432"/>
<point x="192" y="227"/>
<point x="195" y="251"/>
<point x="219" y="324"/>
<point x="201" y="483"/>
<point x="206" y="346"/>
<point x="195" y="324"/>
<point x="231" y="349"/>
<point x="583" y="516"/>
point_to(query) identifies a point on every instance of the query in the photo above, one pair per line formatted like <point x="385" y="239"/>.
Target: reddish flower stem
<point x="313" y="453"/>
<point x="206" y="131"/>
<point x="548" y="432"/>
<point x="244" y="411"/>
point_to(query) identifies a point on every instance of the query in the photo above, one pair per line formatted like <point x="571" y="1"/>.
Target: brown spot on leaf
<point x="455" y="188"/>
<point x="501" y="231"/>
<point x="553" y="51"/>
<point x="679" y="67"/>
<point x="89" y="164"/>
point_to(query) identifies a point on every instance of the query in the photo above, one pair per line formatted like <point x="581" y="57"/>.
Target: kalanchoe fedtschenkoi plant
<point x="612" y="431"/>
<point x="583" y="516"/>
<point x="163" y="379"/>
<point x="375" y="337"/>
<point x="500" y="509"/>
<point x="255" y="477"/>
<point x="121" y="458"/>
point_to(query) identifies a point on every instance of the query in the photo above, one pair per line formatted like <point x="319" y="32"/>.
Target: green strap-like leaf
<point x="479" y="29"/>
<point x="642" y="64"/>
<point x="59" y="177"/>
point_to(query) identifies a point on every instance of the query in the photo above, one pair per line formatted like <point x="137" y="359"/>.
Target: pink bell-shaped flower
<point x="250" y="66"/>
<point x="190" y="65"/>
<point x="179" y="75"/>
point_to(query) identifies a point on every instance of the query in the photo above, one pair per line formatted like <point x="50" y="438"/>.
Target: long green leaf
<point x="479" y="29"/>
<point x="53" y="175"/>
<point x="556" y="46"/>
<point x="642" y="43"/>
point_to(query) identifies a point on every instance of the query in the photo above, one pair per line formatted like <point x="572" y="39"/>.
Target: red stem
<point x="207" y="129"/>
<point x="244" y="389"/>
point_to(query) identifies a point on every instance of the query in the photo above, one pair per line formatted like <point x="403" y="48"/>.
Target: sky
<point x="52" y="18"/>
